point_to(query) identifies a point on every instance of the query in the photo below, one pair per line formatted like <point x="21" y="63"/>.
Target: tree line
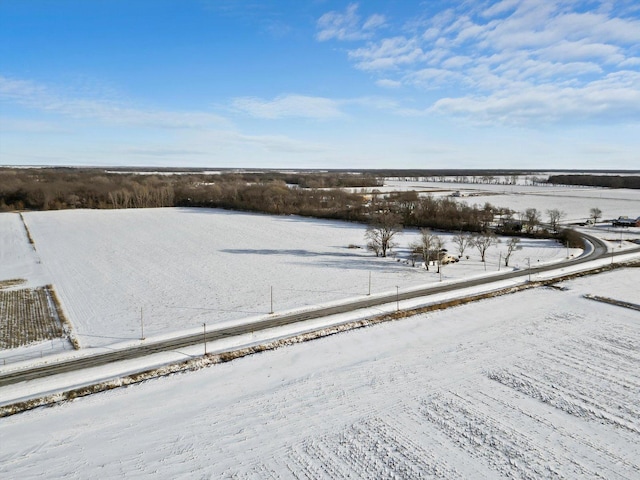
<point x="332" y="195"/>
<point x="62" y="188"/>
<point x="609" y="181"/>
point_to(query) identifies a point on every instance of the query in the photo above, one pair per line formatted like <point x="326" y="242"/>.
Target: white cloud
<point x="630" y="62"/>
<point x="289" y="106"/>
<point x="38" y="97"/>
<point x="388" y="53"/>
<point x="570" y="51"/>
<point x="469" y="32"/>
<point x="16" y="125"/>
<point x="347" y="25"/>
<point x="373" y="102"/>
<point x="387" y="83"/>
<point x="431" y="77"/>
<point x="231" y="143"/>
<point x="278" y="143"/>
<point x="597" y="26"/>
<point x="513" y="54"/>
<point x="500" y="7"/>
<point x="374" y="21"/>
<point x="614" y="96"/>
<point x="317" y="108"/>
<point x="456" y="62"/>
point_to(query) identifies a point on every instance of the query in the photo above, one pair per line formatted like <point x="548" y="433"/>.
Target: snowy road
<point x="30" y="373"/>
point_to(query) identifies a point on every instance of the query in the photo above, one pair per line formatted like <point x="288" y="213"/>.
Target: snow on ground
<point x="18" y="259"/>
<point x="542" y="383"/>
<point x="576" y="202"/>
<point x="186" y="267"/>
<point x="576" y="207"/>
<point x="35" y="350"/>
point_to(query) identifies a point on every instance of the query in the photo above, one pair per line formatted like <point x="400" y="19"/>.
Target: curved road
<point x="599" y="250"/>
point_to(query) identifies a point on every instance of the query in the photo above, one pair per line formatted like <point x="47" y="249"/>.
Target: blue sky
<point x="321" y="84"/>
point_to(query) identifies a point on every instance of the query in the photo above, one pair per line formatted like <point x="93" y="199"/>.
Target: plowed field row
<point x="569" y="379"/>
<point x="27" y="316"/>
<point x="372" y="448"/>
<point x="506" y="450"/>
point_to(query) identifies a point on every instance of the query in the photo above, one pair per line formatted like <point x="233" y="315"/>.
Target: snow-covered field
<point x="539" y="384"/>
<point x="576" y="202"/>
<point x="181" y="268"/>
<point x="18" y="259"/>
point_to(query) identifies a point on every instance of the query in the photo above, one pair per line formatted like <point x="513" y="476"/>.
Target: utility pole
<point x="204" y="337"/>
<point x="529" y="265"/>
<point x="499" y="261"/>
<point x="141" y="325"/>
<point x="613" y="248"/>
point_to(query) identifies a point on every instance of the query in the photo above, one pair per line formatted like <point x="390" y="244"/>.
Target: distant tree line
<point x="445" y="172"/>
<point x="335" y="195"/>
<point x="274" y="197"/>
<point x="59" y="188"/>
<point x="332" y="195"/>
<point x="609" y="181"/>
<point x="273" y="192"/>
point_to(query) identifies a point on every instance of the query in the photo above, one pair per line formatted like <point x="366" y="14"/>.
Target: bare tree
<point x="531" y="219"/>
<point x="482" y="241"/>
<point x="595" y="213"/>
<point x="512" y="245"/>
<point x="414" y="253"/>
<point x="438" y="246"/>
<point x="555" y="216"/>
<point x="429" y="245"/>
<point x="406" y="203"/>
<point x="462" y="241"/>
<point x="384" y="226"/>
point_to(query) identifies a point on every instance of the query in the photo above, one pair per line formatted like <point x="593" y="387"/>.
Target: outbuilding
<point x="626" y="222"/>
